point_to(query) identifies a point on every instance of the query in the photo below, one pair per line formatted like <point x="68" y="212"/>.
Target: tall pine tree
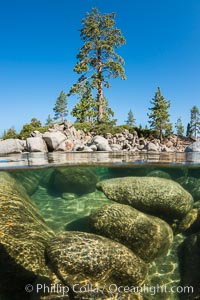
<point x="60" y="107"/>
<point x="97" y="59"/>
<point x="159" y="116"/>
<point x="179" y="127"/>
<point x="194" y="121"/>
<point x="131" y="120"/>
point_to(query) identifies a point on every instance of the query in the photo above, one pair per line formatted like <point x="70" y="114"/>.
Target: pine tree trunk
<point x="100" y="88"/>
<point x="161" y="134"/>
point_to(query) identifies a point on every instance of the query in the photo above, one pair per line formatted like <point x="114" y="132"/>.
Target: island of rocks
<point x="65" y="137"/>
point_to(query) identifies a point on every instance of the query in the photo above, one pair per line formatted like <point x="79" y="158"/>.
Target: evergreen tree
<point x="60" y="107"/>
<point x="10" y="134"/>
<point x="131" y="120"/>
<point x="194" y="121"/>
<point x="179" y="127"/>
<point x="97" y="60"/>
<point x="49" y="120"/>
<point x="188" y="130"/>
<point x="28" y="128"/>
<point x="84" y="111"/>
<point x="159" y="116"/>
<point x="35" y="123"/>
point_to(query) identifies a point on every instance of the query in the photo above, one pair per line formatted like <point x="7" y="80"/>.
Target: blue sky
<point x="40" y="40"/>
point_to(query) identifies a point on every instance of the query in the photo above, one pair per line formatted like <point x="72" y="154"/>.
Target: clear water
<point x="63" y="188"/>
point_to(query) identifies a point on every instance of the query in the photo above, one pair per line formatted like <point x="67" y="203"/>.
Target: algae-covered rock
<point x="74" y="180"/>
<point x="189" y="222"/>
<point x="190" y="266"/>
<point x="23" y="237"/>
<point x="147" y="236"/>
<point x="157" y="196"/>
<point x="159" y="173"/>
<point x="29" y="179"/>
<point x="87" y="259"/>
<point x="191" y="184"/>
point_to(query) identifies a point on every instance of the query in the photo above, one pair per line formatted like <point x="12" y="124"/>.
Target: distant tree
<point x="97" y="60"/>
<point x="35" y="123"/>
<point x="84" y="111"/>
<point x="194" y="121"/>
<point x="49" y="120"/>
<point x="60" y="107"/>
<point x="131" y="120"/>
<point x="159" y="116"/>
<point x="10" y="134"/>
<point x="188" y="130"/>
<point x="179" y="127"/>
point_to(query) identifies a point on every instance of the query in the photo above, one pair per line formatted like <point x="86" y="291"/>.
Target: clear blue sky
<point x="40" y="40"/>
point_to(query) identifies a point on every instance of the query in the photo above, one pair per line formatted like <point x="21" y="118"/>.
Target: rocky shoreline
<point x="65" y="137"/>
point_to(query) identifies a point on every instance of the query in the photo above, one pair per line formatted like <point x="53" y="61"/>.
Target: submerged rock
<point x="23" y="237"/>
<point x="191" y="184"/>
<point x="147" y="236"/>
<point x="190" y="266"/>
<point x="73" y="180"/>
<point x="159" y="173"/>
<point x="29" y="179"/>
<point x="87" y="259"/>
<point x="157" y="196"/>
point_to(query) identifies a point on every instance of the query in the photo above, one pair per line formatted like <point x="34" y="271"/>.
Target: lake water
<point x="145" y="208"/>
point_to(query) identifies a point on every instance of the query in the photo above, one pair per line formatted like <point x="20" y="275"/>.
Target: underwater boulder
<point x="73" y="180"/>
<point x="88" y="259"/>
<point x="29" y="179"/>
<point x="23" y="237"/>
<point x="190" y="266"/>
<point x="191" y="184"/>
<point x="147" y="236"/>
<point x="157" y="196"/>
<point x="159" y="173"/>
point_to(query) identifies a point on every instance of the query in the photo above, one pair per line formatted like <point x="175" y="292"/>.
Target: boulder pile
<point x="65" y="137"/>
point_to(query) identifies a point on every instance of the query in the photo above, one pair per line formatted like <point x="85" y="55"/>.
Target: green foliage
<point x="131" y="120"/>
<point x="49" y="121"/>
<point x="10" y="134"/>
<point x="97" y="60"/>
<point x="28" y="128"/>
<point x="194" y="121"/>
<point x="188" y="130"/>
<point x="86" y="126"/>
<point x="60" y="107"/>
<point x="179" y="127"/>
<point x="159" y="116"/>
<point x="84" y="111"/>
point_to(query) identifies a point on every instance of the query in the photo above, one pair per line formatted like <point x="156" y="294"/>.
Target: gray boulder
<point x="97" y="139"/>
<point x="147" y="236"/>
<point x="54" y="140"/>
<point x="116" y="147"/>
<point x="194" y="147"/>
<point x="36" y="144"/>
<point x="152" y="147"/>
<point x="100" y="142"/>
<point x="10" y="146"/>
<point x="157" y="196"/>
<point x="103" y="147"/>
<point x="85" y="258"/>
